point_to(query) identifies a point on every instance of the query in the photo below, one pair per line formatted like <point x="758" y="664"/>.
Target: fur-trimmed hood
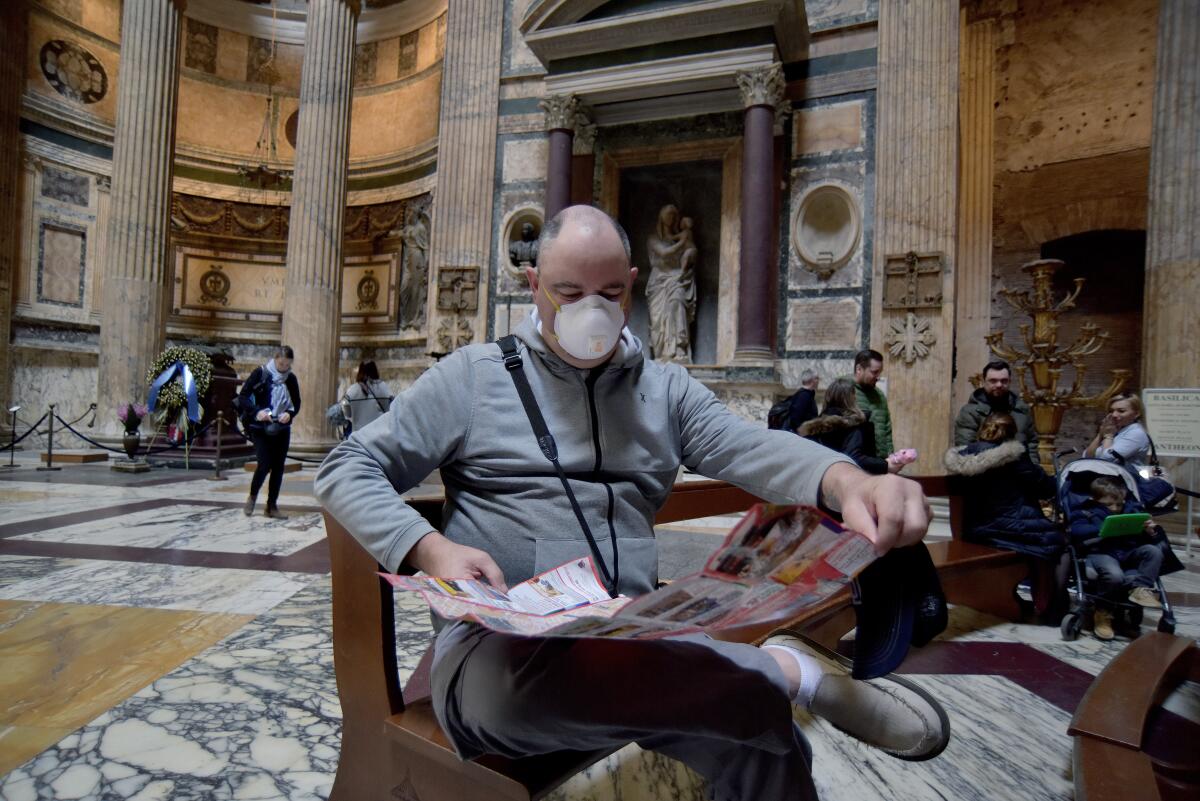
<point x="835" y="421"/>
<point x="971" y="460"/>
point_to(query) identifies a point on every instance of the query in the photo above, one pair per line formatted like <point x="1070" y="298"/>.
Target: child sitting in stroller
<point x="1125" y="566"/>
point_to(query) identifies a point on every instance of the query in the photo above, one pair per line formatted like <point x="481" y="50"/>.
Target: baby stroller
<point x="1074" y="481"/>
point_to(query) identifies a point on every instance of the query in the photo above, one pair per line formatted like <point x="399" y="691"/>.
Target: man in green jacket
<point x="868" y="364"/>
<point x="995" y="396"/>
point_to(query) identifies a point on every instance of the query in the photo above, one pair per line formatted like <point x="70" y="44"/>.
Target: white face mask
<point x="588" y="328"/>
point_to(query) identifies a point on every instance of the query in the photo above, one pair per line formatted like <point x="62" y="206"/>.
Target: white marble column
<point x="462" y="202"/>
<point x="12" y="82"/>
<point x="1171" y="325"/>
<point x="135" y="295"/>
<point x="313" y="288"/>
<point x="973" y="294"/>
<point x="916" y="210"/>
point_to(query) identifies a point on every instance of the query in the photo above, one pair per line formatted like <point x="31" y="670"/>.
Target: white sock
<point x="811" y="674"/>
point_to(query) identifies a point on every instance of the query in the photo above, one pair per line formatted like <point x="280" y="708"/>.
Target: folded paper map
<point x="776" y="562"/>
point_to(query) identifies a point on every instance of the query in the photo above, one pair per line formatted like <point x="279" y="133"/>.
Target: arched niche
<point x="826" y="228"/>
<point x="511" y="234"/>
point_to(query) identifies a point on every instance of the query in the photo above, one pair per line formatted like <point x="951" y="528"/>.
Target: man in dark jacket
<point x="995" y="396"/>
<point x="804" y="402"/>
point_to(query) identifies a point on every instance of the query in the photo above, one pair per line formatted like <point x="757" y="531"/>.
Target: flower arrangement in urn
<point x="131" y="415"/>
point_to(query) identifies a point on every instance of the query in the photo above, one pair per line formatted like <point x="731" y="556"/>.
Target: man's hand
<point x="263" y="415"/>
<point x="437" y="556"/>
<point x="888" y="510"/>
<point x="285" y="418"/>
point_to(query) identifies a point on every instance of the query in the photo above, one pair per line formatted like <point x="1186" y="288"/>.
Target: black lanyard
<point x="514" y="365"/>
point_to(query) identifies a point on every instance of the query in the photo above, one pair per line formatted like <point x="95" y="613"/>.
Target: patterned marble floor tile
<point x="255" y="716"/>
<point x="1006" y="744"/>
<point x="67" y="663"/>
<point x="162" y="587"/>
<point x="193" y="528"/>
<point x="16" y="569"/>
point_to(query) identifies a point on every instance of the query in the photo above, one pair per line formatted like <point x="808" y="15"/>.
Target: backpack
<point x="777" y="417"/>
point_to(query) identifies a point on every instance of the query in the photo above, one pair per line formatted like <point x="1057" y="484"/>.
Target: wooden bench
<point x="1119" y="753"/>
<point x="392" y="745"/>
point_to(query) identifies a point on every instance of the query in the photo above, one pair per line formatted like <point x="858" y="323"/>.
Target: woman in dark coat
<point x="269" y="400"/>
<point x="845" y="428"/>
<point x="1003" y="487"/>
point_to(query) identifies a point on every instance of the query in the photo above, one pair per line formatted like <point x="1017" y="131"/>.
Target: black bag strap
<point x="545" y="440"/>
<point x="374" y="397"/>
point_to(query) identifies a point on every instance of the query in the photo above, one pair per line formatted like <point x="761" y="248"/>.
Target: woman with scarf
<point x="269" y="400"/>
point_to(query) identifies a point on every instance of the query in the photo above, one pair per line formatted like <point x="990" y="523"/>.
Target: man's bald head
<point x="581" y="252"/>
<point x="591" y="223"/>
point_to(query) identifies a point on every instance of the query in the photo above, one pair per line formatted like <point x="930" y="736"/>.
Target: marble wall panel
<point x="231" y="285"/>
<point x="288" y="60"/>
<point x="524" y="160"/>
<point x="822" y="324"/>
<point x="406" y="57"/>
<point x="828" y="369"/>
<point x="62" y="262"/>
<point x="365" y="59"/>
<point x="63" y="377"/>
<point x="200" y="46"/>
<point x="509" y="316"/>
<point x="828" y="129"/>
<point x="852" y="177"/>
<point x="519" y="57"/>
<point x="102" y="17"/>
<point x="232" y="54"/>
<point x="387" y="122"/>
<point x="65" y="186"/>
<point x="386" y="58"/>
<point x="829" y="14"/>
<point x="749" y="401"/>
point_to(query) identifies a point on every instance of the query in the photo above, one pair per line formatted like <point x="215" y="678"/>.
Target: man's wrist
<point x="423" y="550"/>
<point x="834" y="483"/>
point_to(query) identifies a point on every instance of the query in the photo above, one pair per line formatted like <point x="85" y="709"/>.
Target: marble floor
<point x="157" y="644"/>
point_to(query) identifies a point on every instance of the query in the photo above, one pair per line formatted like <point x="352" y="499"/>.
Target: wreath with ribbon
<point x="177" y="380"/>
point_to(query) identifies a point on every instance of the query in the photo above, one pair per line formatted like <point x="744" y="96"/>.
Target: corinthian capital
<point x="761" y="87"/>
<point x="560" y="111"/>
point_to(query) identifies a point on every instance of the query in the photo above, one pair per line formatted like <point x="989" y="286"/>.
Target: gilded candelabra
<point x="1043" y="360"/>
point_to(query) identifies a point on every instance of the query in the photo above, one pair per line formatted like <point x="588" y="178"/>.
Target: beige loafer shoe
<point x="890" y="713"/>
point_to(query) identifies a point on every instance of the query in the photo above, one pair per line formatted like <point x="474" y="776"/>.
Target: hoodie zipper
<point x="590" y="382"/>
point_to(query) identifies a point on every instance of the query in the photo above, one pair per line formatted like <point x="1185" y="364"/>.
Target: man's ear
<point x="531" y="275"/>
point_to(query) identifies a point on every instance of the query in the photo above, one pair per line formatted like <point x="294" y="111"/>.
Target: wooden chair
<point x="1116" y="755"/>
<point x="392" y="745"/>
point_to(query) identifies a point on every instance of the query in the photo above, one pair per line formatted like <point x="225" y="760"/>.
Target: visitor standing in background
<point x="270" y="400"/>
<point x="868" y="365"/>
<point x="367" y="398"/>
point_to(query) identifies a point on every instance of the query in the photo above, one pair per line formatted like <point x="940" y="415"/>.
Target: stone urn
<point x="130" y="442"/>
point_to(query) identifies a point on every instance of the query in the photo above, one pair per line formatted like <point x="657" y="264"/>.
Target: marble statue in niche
<point x="414" y="281"/>
<point x="523" y="253"/>
<point x="671" y="290"/>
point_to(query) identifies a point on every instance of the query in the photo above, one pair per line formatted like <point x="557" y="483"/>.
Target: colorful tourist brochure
<point x="776" y="562"/>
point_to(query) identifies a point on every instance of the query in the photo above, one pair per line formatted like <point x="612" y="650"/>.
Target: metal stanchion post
<point x="12" y="446"/>
<point x="50" y="446"/>
<point x="216" y="476"/>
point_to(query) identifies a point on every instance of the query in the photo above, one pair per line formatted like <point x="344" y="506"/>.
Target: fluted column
<point x="560" y="128"/>
<point x="1171" y="327"/>
<point x="462" y="218"/>
<point x="915" y="211"/>
<point x="313" y="287"/>
<point x="762" y="94"/>
<point x="135" y="291"/>
<point x="12" y="82"/>
<point x="973" y="295"/>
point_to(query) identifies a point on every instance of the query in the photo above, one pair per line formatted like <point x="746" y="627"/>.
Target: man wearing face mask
<point x="623" y="425"/>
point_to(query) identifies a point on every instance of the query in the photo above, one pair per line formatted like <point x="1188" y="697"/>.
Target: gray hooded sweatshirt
<point x="622" y="430"/>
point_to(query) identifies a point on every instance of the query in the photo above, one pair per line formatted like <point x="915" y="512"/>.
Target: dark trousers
<point x="270" y="451"/>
